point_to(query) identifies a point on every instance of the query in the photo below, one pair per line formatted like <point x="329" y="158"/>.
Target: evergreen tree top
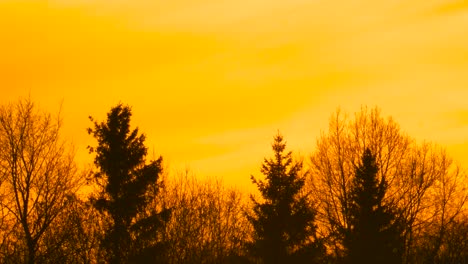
<point x="284" y="228"/>
<point x="129" y="186"/>
<point x="282" y="175"/>
<point x="374" y="236"/>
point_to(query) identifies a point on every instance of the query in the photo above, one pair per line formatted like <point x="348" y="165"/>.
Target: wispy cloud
<point x="212" y="80"/>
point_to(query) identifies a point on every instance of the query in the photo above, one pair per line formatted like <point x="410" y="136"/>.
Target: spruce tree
<point x="128" y="185"/>
<point x="283" y="221"/>
<point x="375" y="233"/>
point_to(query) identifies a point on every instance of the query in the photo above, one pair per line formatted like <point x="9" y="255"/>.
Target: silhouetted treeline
<point x="367" y="193"/>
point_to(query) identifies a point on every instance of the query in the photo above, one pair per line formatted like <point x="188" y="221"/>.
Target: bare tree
<point x="38" y="172"/>
<point x="207" y="224"/>
<point x="442" y="210"/>
<point x="454" y="248"/>
<point x="421" y="177"/>
<point x="76" y="235"/>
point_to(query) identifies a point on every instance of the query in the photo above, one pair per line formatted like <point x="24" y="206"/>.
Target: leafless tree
<point x="454" y="248"/>
<point x="76" y="235"/>
<point x="39" y="175"/>
<point x="423" y="181"/>
<point x="207" y="223"/>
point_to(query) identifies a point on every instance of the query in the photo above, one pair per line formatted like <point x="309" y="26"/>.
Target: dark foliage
<point x="375" y="234"/>
<point x="127" y="189"/>
<point x="373" y="195"/>
<point x="284" y="229"/>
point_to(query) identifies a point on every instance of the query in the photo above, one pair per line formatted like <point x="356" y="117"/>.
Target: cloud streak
<point x="208" y="78"/>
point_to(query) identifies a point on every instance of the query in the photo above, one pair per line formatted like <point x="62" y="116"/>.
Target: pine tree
<point x="283" y="222"/>
<point x="375" y="233"/>
<point x="128" y="185"/>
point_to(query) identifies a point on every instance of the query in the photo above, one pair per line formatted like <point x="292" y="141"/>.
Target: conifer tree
<point x="283" y="221"/>
<point x="128" y="185"/>
<point x="375" y="233"/>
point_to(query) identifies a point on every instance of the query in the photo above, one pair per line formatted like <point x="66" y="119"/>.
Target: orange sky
<point x="211" y="81"/>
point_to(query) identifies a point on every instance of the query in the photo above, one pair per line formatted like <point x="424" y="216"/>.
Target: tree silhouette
<point x="374" y="236"/>
<point x="128" y="185"/>
<point x="423" y="181"/>
<point x="37" y="178"/>
<point x="76" y="235"/>
<point x="284" y="229"/>
<point x="204" y="208"/>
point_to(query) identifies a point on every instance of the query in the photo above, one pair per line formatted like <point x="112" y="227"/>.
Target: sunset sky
<point x="211" y="81"/>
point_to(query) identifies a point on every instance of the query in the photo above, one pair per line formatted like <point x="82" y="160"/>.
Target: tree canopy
<point x="127" y="188"/>
<point x="283" y="221"/>
<point x="368" y="194"/>
<point x="375" y="234"/>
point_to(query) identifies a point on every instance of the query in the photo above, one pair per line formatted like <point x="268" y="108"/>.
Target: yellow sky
<point x="211" y="81"/>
